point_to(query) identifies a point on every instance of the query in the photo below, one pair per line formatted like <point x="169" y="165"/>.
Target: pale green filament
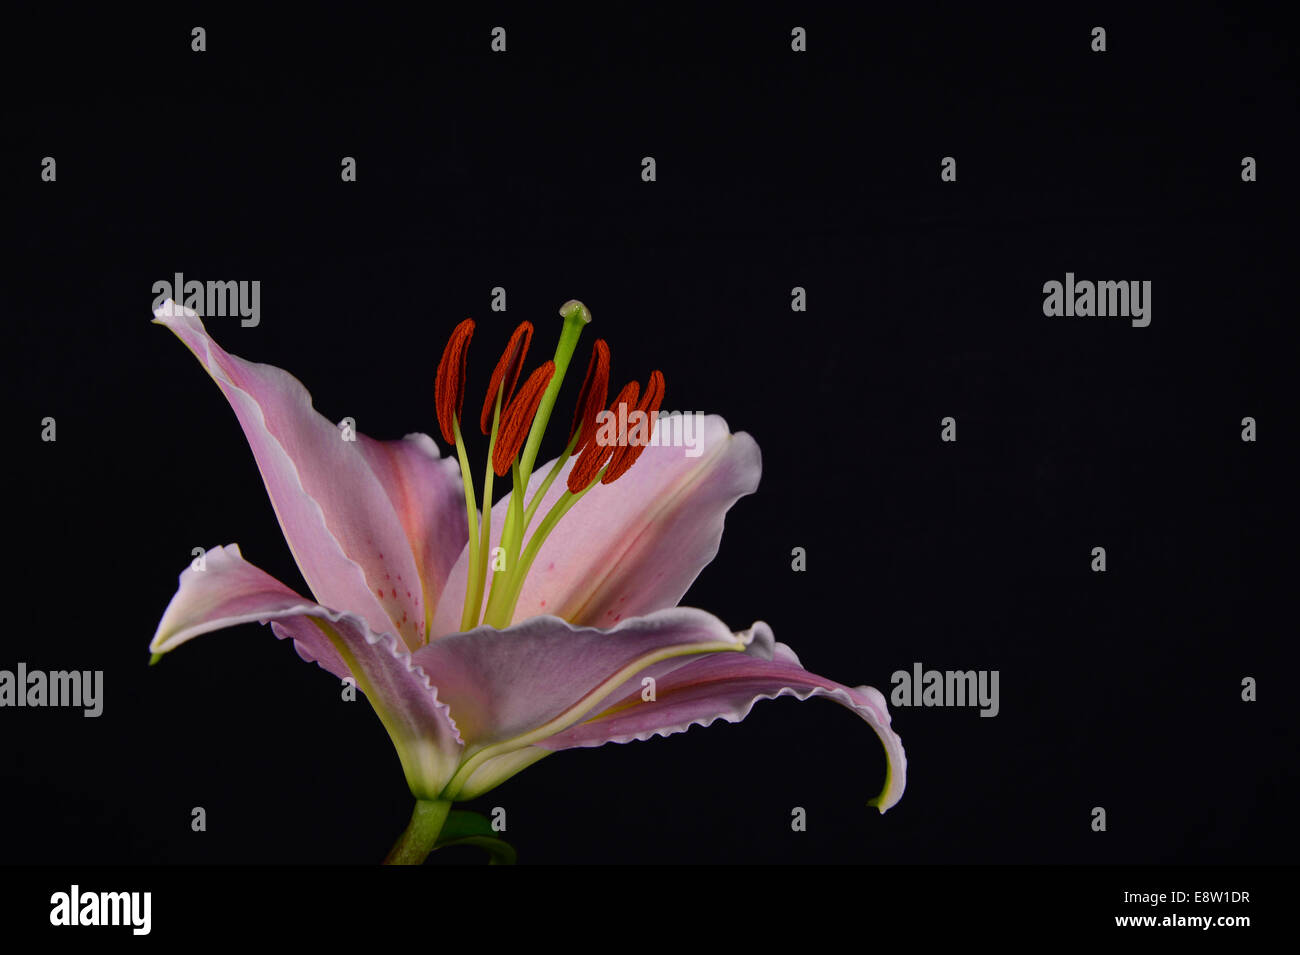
<point x="516" y="507"/>
<point x="501" y="615"/>
<point x="550" y="479"/>
<point x="476" y="572"/>
<point x="470" y="613"/>
<point x="509" y="532"/>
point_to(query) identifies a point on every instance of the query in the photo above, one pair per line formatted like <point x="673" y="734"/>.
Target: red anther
<point x="449" y="384"/>
<point x="591" y="399"/>
<point x="594" y="453"/>
<point x="518" y="418"/>
<point x="506" y="373"/>
<point x="625" y="455"/>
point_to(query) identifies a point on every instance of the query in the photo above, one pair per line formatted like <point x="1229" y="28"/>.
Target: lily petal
<point x="633" y="547"/>
<point x="429" y="499"/>
<point x="229" y="591"/>
<point x="510" y="688"/>
<point x="726" y="686"/>
<point x="335" y="499"/>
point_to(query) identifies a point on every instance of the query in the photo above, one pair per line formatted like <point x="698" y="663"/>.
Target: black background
<point x="775" y="169"/>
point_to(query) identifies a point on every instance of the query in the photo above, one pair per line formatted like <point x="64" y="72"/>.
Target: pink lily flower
<point x="485" y="640"/>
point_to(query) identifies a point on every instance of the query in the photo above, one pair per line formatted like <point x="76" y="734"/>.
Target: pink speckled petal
<point x="229" y="591"/>
<point x="336" y="500"/>
<point x="632" y="547"/>
<point x="429" y="498"/>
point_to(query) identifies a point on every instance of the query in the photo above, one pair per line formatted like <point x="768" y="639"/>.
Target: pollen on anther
<point x="449" y="384"/>
<point x="626" y="454"/>
<point x="506" y="373"/>
<point x="592" y="396"/>
<point x="595" y="454"/>
<point x="518" y="418"/>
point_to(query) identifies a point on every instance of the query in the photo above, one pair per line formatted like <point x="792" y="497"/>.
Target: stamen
<point x="595" y="454"/>
<point x="518" y="418"/>
<point x="506" y="374"/>
<point x="449" y="385"/>
<point x="591" y="398"/>
<point x="625" y="455"/>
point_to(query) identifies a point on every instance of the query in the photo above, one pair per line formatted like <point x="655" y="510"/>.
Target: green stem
<point x="417" y="841"/>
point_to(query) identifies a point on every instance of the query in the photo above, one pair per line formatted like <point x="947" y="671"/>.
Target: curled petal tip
<point x="166" y="310"/>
